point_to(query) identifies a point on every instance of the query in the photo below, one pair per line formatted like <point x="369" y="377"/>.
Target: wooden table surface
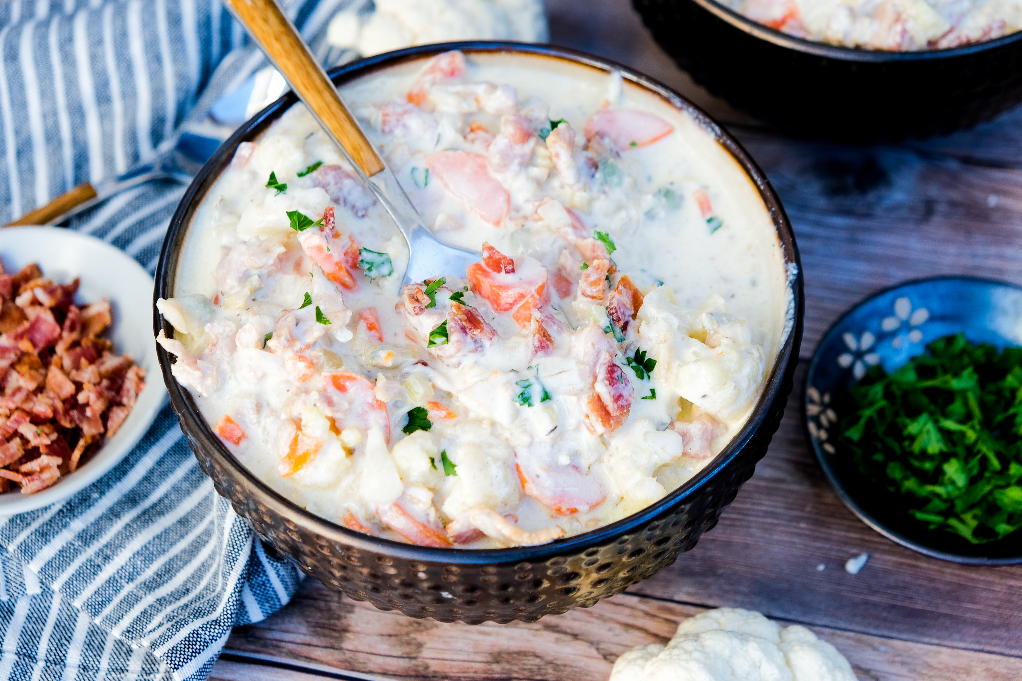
<point x="865" y="218"/>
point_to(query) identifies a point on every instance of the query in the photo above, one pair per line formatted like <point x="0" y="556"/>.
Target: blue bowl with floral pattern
<point x="888" y="329"/>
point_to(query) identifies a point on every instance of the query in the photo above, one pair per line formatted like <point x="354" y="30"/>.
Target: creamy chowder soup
<point x="887" y="24"/>
<point x="629" y="302"/>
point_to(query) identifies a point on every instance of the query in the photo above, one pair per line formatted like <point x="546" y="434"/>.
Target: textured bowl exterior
<point x="500" y="585"/>
<point x="821" y="90"/>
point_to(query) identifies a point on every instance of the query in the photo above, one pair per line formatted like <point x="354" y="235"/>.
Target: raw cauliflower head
<point x="730" y="644"/>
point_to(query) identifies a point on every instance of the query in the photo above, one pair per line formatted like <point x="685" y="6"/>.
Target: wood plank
<point x="326" y="631"/>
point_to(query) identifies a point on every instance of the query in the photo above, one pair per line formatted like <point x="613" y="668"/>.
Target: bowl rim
<point x="193" y="422"/>
<point x="870" y="520"/>
<point x="841" y="52"/>
<point x="150" y="400"/>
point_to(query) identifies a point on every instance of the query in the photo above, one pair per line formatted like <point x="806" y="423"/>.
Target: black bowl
<point x="820" y="90"/>
<point x="501" y="584"/>
<point x="888" y="329"/>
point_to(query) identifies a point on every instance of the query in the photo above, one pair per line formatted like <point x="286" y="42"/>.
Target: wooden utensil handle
<point x="58" y="206"/>
<point x="284" y="46"/>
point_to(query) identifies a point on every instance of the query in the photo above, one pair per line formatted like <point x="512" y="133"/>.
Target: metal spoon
<point x="285" y="48"/>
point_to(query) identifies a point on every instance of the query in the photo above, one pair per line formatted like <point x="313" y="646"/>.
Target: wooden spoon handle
<point x="58" y="206"/>
<point x="281" y="42"/>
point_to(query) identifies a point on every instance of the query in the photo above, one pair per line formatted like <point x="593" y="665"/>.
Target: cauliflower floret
<point x="485" y="474"/>
<point x="637" y="451"/>
<point x="811" y="659"/>
<point x="267" y="216"/>
<point x="705" y="356"/>
<point x="402" y="23"/>
<point x="186" y="314"/>
<point x="331" y="461"/>
<point x="417" y="457"/>
<point x="730" y="644"/>
<point x="379" y="483"/>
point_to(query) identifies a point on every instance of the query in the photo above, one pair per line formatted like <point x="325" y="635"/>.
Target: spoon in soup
<point x="276" y="35"/>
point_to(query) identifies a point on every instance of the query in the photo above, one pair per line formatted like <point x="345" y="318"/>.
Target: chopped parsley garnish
<point x="310" y="169"/>
<point x="584" y="266"/>
<point x="458" y="297"/>
<point x="640" y="365"/>
<point x="418" y="419"/>
<point x="605" y="239"/>
<point x="449" y="467"/>
<point x="432" y="462"/>
<point x="545" y="131"/>
<point x="301" y="222"/>
<point x="438" y="336"/>
<point x="651" y="395"/>
<point x="714" y="223"/>
<point x="320" y="317"/>
<point x="633" y="143"/>
<point x="375" y="264"/>
<point x="273" y="184"/>
<point x="431" y="289"/>
<point x="527" y="397"/>
<point x="611" y="328"/>
<point x="944" y="434"/>
<point x="306" y="302"/>
<point x="266" y="339"/>
<point x="420" y="176"/>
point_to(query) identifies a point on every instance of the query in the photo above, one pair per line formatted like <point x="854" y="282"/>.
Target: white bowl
<point x="105" y="272"/>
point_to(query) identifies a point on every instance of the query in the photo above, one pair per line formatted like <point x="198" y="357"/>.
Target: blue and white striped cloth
<point x="143" y="574"/>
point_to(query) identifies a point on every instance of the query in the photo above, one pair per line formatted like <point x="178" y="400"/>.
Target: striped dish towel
<point x="143" y="574"/>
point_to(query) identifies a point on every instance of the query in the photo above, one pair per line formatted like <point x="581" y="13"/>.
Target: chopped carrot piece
<point x="372" y="321"/>
<point x="229" y="430"/>
<point x="439" y="412"/>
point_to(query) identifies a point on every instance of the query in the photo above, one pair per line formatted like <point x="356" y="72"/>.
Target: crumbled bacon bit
<point x="62" y="387"/>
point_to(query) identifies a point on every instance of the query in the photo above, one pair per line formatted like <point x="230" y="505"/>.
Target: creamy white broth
<point x="657" y="240"/>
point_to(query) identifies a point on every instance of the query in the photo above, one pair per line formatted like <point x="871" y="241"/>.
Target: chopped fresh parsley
<point x="554" y="124"/>
<point x="611" y="328"/>
<point x="266" y="339"/>
<point x="320" y="317"/>
<point x="651" y="395"/>
<point x="375" y="264"/>
<point x="306" y="302"/>
<point x="310" y="169"/>
<point x="431" y="289"/>
<point x="584" y="266"/>
<point x="273" y="184"/>
<point x="642" y="366"/>
<point x="714" y="223"/>
<point x="420" y="176"/>
<point x="449" y="467"/>
<point x="458" y="297"/>
<point x="301" y="222"/>
<point x="438" y="336"/>
<point x="432" y="462"/>
<point x="530" y="388"/>
<point x="418" y="419"/>
<point x="605" y="239"/>
<point x="633" y="143"/>
<point x="944" y="434"/>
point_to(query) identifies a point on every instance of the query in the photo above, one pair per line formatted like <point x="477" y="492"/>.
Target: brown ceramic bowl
<point x="495" y="584"/>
